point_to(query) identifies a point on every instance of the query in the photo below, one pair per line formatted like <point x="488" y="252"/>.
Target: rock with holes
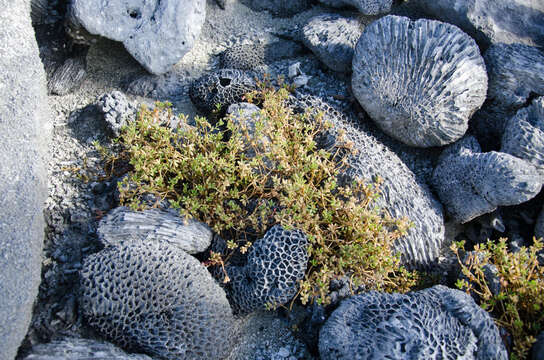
<point x="524" y="134"/>
<point x="471" y="183"/>
<point x="332" y="39"/>
<point x="275" y="265"/>
<point x="80" y="349"/>
<point x="366" y="7"/>
<point x="156" y="33"/>
<point x="255" y="55"/>
<point x="123" y="225"/>
<point x="516" y="76"/>
<point x="492" y="21"/>
<point x="420" y="81"/>
<point x="401" y="193"/>
<point x="539" y="226"/>
<point x="117" y="110"/>
<point x="281" y="8"/>
<point x="154" y="298"/>
<point x="220" y="89"/>
<point x="437" y="323"/>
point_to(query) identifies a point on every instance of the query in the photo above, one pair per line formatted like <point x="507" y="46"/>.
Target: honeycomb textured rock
<point x="420" y="81"/>
<point x="123" y="225"/>
<point x="243" y="57"/>
<point x="524" y="134"/>
<point x="436" y="323"/>
<point x="80" y="349"/>
<point x="471" y="183"/>
<point x="402" y="195"/>
<point x="154" y="298"/>
<point x="270" y="277"/>
<point x="223" y="87"/>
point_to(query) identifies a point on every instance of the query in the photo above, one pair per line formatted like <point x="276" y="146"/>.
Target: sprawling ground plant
<point x="519" y="306"/>
<point x="242" y="179"/>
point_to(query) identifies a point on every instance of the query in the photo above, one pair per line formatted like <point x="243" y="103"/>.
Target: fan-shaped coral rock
<point x="80" y="349"/>
<point x="154" y="298"/>
<point x="516" y="75"/>
<point x="420" y="81"/>
<point x="270" y="277"/>
<point x="524" y="134"/>
<point x="332" y="39"/>
<point x="366" y="7"/>
<point x="436" y="323"/>
<point x="156" y="33"/>
<point x="68" y="76"/>
<point x="123" y="225"/>
<point x="401" y="194"/>
<point x="220" y="88"/>
<point x="470" y="183"/>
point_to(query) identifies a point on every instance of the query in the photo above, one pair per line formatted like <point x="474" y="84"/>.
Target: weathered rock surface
<point x="401" y="194"/>
<point x="154" y="298"/>
<point x="252" y="56"/>
<point x="524" y="134"/>
<point x="420" y="81"/>
<point x="275" y="265"/>
<point x="332" y="39"/>
<point x="117" y="110"/>
<point x="123" y="226"/>
<point x="156" y="33"/>
<point x="435" y="323"/>
<point x="470" y="183"/>
<point x="492" y="21"/>
<point x="25" y="125"/>
<point x="281" y="8"/>
<point x="220" y="88"/>
<point x="516" y="75"/>
<point x="68" y="76"/>
<point x="366" y="7"/>
<point x="80" y="349"/>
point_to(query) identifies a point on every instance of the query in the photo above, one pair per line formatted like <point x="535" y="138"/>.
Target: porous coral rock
<point x="243" y="57"/>
<point x="470" y="183"/>
<point x="220" y="88"/>
<point x="117" y="110"/>
<point x="401" y="194"/>
<point x="154" y="298"/>
<point x="275" y="264"/>
<point x="366" y="7"/>
<point x="435" y="323"/>
<point x="420" y="81"/>
<point x="123" y="225"/>
<point x="68" y="76"/>
<point x="516" y="75"/>
<point x="80" y="349"/>
<point x="524" y="134"/>
<point x="156" y="33"/>
<point x="332" y="39"/>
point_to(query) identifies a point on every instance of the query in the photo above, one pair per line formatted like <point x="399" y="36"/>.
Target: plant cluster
<point x="519" y="306"/>
<point x="242" y="179"/>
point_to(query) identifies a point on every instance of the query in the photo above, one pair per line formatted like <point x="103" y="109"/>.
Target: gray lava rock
<point x="332" y="39"/>
<point x="117" y="110"/>
<point x="80" y="349"/>
<point x="539" y="226"/>
<point x="275" y="264"/>
<point x="420" y="81"/>
<point x="69" y="76"/>
<point x="25" y="125"/>
<point x="366" y="7"/>
<point x="156" y="33"/>
<point x="492" y="21"/>
<point x="524" y="135"/>
<point x="155" y="298"/>
<point x="123" y="225"/>
<point x="435" y="323"/>
<point x="537" y="351"/>
<point x="516" y="75"/>
<point x="223" y="87"/>
<point x="281" y="8"/>
<point x="470" y="183"/>
<point x="401" y="194"/>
